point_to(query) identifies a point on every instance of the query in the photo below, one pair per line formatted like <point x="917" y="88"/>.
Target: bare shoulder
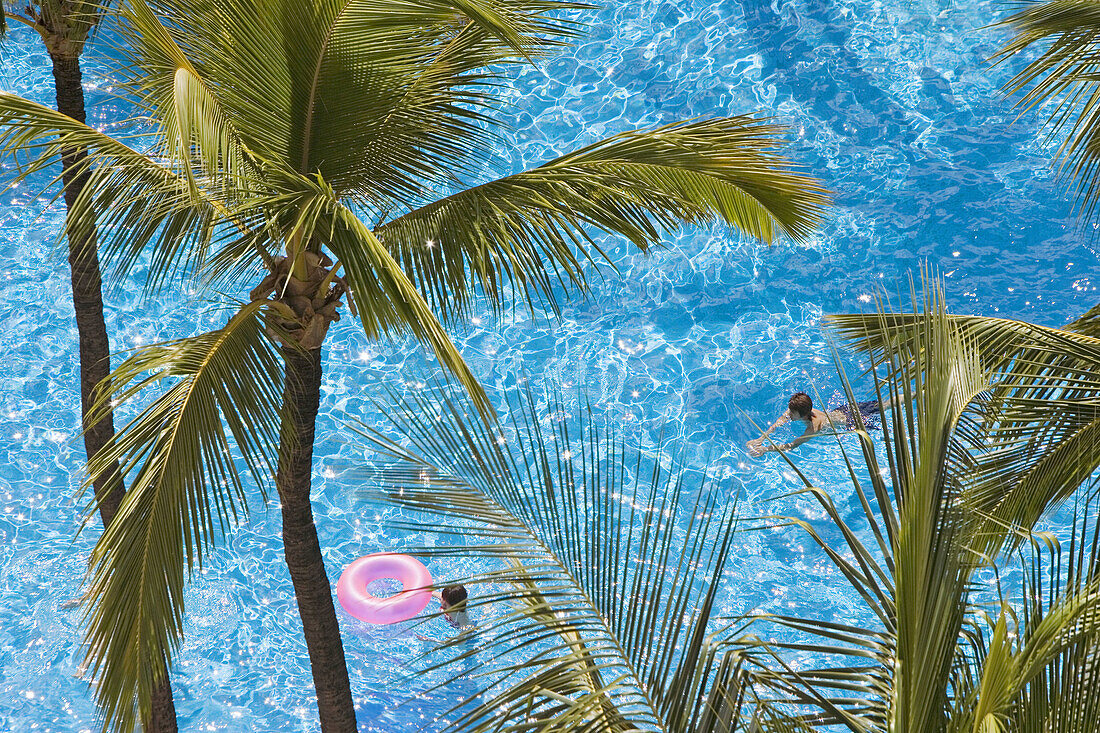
<point x="822" y="419"/>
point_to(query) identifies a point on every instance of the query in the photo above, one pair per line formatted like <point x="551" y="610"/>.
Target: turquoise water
<point x="891" y="104"/>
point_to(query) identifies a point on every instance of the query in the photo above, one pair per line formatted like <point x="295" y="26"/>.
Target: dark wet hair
<point x="453" y="595"/>
<point x="800" y="404"/>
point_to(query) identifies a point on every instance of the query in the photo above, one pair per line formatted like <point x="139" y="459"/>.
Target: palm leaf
<point x="1038" y="424"/>
<point x="916" y="578"/>
<point x="184" y="488"/>
<point x="532" y="229"/>
<point x="1038" y="668"/>
<point x="630" y="643"/>
<point x="193" y="127"/>
<point x="386" y="302"/>
<point x="154" y="204"/>
<point x="940" y="662"/>
<point x="398" y="95"/>
<point x="1065" y="73"/>
<point x="377" y="98"/>
<point x="377" y="282"/>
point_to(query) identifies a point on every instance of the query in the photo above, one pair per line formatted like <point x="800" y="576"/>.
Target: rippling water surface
<point x="891" y="103"/>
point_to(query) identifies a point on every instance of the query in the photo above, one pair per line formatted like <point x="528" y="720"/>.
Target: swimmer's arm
<point x="756" y="446"/>
<point x="781" y="420"/>
<point x="793" y="444"/>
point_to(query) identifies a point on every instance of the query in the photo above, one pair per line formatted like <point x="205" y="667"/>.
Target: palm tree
<point x="943" y="654"/>
<point x="1062" y="76"/>
<point x="978" y="452"/>
<point x="598" y="604"/>
<point x="65" y="26"/>
<point x="315" y="149"/>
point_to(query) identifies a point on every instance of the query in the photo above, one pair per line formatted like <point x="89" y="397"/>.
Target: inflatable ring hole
<point x="385" y="587"/>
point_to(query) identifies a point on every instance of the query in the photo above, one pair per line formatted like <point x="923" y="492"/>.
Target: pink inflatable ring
<point x="415" y="593"/>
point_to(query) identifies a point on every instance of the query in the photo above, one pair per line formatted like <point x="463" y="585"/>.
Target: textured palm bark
<point x="162" y="716"/>
<point x="95" y="348"/>
<point x="301" y="397"/>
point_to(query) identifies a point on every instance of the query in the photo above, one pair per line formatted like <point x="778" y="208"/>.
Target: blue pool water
<point x="890" y="103"/>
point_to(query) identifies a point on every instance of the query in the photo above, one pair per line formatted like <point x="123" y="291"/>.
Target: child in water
<point x="452" y="601"/>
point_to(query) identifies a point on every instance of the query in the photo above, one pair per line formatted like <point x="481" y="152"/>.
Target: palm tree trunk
<point x="162" y="717"/>
<point x="95" y="348"/>
<point x="301" y="397"/>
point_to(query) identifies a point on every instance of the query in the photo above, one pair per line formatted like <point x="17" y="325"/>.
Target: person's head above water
<point x="452" y="601"/>
<point x="800" y="405"/>
<point x="453" y="595"/>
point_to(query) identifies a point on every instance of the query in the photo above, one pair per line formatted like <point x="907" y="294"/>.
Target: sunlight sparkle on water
<point x="716" y="327"/>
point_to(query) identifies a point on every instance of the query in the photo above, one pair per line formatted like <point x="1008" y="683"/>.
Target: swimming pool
<point x="890" y="103"/>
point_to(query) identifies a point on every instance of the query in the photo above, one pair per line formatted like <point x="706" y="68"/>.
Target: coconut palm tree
<point x="316" y="151"/>
<point x="1062" y="81"/>
<point x="943" y="652"/>
<point x="64" y="26"/>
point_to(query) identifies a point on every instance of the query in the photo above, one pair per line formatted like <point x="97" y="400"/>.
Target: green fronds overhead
<point x="932" y="560"/>
<point x="1064" y="75"/>
<point x="532" y="229"/>
<point x="382" y="105"/>
<point x="184" y="490"/>
<point x="1037" y="424"/>
<point x="378" y="283"/>
<point x="269" y="130"/>
<point x="915" y="574"/>
<point x="946" y="654"/>
<point x="193" y="127"/>
<point x="158" y="206"/>
<point x="611" y="560"/>
<point x="136" y="201"/>
<point x="1036" y="656"/>
<point x="378" y="98"/>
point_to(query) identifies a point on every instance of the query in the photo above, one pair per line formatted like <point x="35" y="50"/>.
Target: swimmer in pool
<point x="801" y="407"/>
<point x="452" y="601"/>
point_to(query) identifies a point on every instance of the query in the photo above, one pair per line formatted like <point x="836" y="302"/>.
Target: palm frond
<point x="933" y="558"/>
<point x="1062" y="695"/>
<point x="1088" y="324"/>
<point x="378" y="98"/>
<point x="1037" y="424"/>
<point x="165" y="70"/>
<point x="193" y="127"/>
<point x="398" y="93"/>
<point x="136" y="201"/>
<point x="532" y="229"/>
<point x="384" y="299"/>
<point x="916" y="577"/>
<point x="1065" y="73"/>
<point x="966" y="392"/>
<point x="1038" y="668"/>
<point x="612" y="578"/>
<point x="184" y="489"/>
